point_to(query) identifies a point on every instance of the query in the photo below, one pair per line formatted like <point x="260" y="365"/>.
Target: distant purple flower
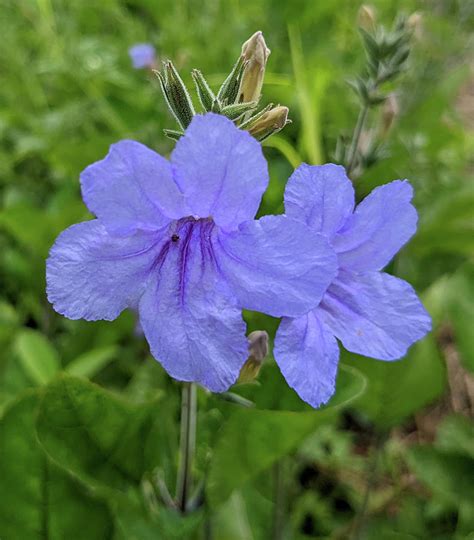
<point x="177" y="241"/>
<point x="143" y="55"/>
<point x="370" y="312"/>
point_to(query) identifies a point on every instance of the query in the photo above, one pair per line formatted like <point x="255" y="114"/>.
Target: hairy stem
<point x="351" y="158"/>
<point x="186" y="445"/>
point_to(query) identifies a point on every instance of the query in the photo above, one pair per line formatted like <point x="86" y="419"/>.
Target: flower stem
<point x="280" y="502"/>
<point x="186" y="445"/>
<point x="351" y="158"/>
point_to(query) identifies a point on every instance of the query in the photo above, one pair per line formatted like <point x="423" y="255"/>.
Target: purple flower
<point x="143" y="55"/>
<point x="177" y="241"/>
<point x="370" y="312"/>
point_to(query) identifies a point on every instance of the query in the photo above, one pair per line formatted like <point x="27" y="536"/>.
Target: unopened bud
<point x="366" y="17"/>
<point x="390" y="111"/>
<point x="258" y="350"/>
<point x="269" y="123"/>
<point x="255" y="53"/>
<point x="414" y="23"/>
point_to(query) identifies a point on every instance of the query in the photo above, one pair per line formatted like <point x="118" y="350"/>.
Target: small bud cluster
<point x="237" y="98"/>
<point x="387" y="52"/>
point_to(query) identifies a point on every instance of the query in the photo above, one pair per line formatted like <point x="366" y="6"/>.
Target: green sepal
<point x="236" y="110"/>
<point x="176" y="95"/>
<point x="173" y="134"/>
<point x="204" y="92"/>
<point x="229" y="90"/>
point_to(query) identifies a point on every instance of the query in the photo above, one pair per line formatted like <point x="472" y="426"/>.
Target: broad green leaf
<point x="271" y="391"/>
<point x="461" y="311"/>
<point x="251" y="441"/>
<point x="449" y="476"/>
<point x="37" y="499"/>
<point x="448" y="225"/>
<point x="94" y="434"/>
<point x="137" y="520"/>
<point x="231" y="521"/>
<point x="37" y="356"/>
<point x="456" y="435"/>
<point x="398" y="389"/>
<point x="91" y="362"/>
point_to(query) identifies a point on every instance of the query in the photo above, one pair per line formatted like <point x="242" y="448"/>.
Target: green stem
<point x="371" y="478"/>
<point x="187" y="445"/>
<point x="351" y="158"/>
<point x="280" y="502"/>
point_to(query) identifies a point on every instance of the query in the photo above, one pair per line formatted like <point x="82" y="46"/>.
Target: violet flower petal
<point x="374" y="314"/>
<point x="220" y="170"/>
<point x="308" y="356"/>
<point x="276" y="265"/>
<point x="92" y="275"/>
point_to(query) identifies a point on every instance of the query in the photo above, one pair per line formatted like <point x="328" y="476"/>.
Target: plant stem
<point x="279" y="506"/>
<point x="356" y="137"/>
<point x="186" y="445"/>
<point x="371" y="478"/>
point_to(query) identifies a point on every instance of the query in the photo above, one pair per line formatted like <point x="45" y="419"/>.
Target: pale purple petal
<point x="189" y="316"/>
<point x="92" y="275"/>
<point x="374" y="314"/>
<point x="276" y="265"/>
<point x="132" y="189"/>
<point x="221" y="171"/>
<point x="382" y="223"/>
<point x="320" y="195"/>
<point x="308" y="355"/>
<point x="143" y="55"/>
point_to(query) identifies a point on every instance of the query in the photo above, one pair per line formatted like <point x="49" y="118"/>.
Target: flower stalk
<point x="187" y="445"/>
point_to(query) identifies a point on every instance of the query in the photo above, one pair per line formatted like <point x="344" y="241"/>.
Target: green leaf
<point x="461" y="311"/>
<point x="91" y="362"/>
<point x="456" y="435"/>
<point x="272" y="390"/>
<point x="398" y="389"/>
<point x="38" y="500"/>
<point x="37" y="356"/>
<point x="95" y="435"/>
<point x="253" y="440"/>
<point x="136" y="522"/>
<point x="231" y="521"/>
<point x="449" y="476"/>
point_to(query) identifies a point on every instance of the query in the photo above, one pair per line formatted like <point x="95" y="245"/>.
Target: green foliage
<point x="37" y="357"/>
<point x="37" y="499"/>
<point x="89" y="421"/>
<point x="396" y="390"/>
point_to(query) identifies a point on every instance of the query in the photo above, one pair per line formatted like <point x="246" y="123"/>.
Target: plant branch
<point x="187" y="445"/>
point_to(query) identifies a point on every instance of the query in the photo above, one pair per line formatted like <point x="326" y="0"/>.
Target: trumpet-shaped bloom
<point x="143" y="55"/>
<point x="372" y="313"/>
<point x="177" y="241"/>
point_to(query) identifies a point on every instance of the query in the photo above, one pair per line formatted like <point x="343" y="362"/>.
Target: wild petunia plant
<point x="177" y="241"/>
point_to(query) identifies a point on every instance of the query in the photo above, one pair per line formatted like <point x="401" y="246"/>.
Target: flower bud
<point x="255" y="53"/>
<point x="258" y="350"/>
<point x="366" y="17"/>
<point x="269" y="123"/>
<point x="414" y="23"/>
<point x="390" y="111"/>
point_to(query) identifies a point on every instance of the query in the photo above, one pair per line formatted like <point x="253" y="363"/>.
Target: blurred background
<point x="392" y="457"/>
